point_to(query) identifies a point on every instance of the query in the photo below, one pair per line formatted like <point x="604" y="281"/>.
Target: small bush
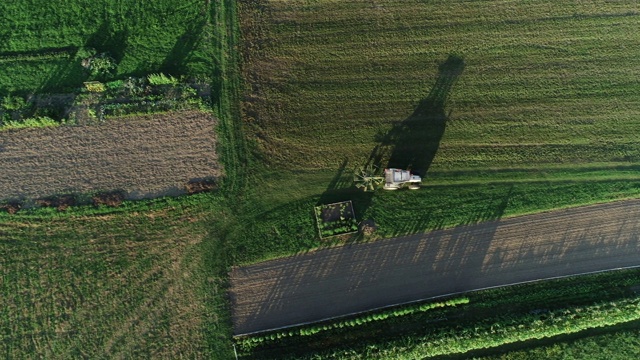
<point x="95" y="86"/>
<point x="61" y="202"/>
<point x="101" y="65"/>
<point x="198" y="186"/>
<point x="11" y="207"/>
<point x="113" y="199"/>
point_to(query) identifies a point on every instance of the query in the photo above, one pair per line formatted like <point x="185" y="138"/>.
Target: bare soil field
<point x="145" y="156"/>
<point x="350" y="279"/>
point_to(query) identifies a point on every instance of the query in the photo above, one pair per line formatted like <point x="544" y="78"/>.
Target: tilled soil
<point x="350" y="279"/>
<point x="145" y="156"/>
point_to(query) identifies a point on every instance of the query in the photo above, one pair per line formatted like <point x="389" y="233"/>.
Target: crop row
<point x="249" y="342"/>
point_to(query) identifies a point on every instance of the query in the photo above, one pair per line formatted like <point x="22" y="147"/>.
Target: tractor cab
<point x="395" y="179"/>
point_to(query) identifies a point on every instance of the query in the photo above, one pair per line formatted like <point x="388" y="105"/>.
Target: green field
<point x="616" y="343"/>
<point x="541" y="83"/>
<point x="107" y="283"/>
<point x="504" y="107"/>
<point x="40" y="43"/>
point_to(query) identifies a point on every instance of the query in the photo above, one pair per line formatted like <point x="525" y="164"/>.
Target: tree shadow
<point x="109" y="40"/>
<point x="413" y="143"/>
<point x="177" y="59"/>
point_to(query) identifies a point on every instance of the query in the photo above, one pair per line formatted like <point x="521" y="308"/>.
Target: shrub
<point x="61" y="202"/>
<point x="95" y="86"/>
<point x="198" y="186"/>
<point x="113" y="198"/>
<point x="12" y="103"/>
<point x="11" y="207"/>
<point x="101" y="65"/>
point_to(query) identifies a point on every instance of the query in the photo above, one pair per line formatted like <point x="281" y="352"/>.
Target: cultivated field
<point x="536" y="83"/>
<point x="145" y="156"/>
<point x="340" y="281"/>
<point x="112" y="285"/>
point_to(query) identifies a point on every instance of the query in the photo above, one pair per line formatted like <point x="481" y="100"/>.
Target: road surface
<point x="355" y="278"/>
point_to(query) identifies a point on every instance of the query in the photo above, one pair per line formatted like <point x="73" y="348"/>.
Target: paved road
<point x="338" y="281"/>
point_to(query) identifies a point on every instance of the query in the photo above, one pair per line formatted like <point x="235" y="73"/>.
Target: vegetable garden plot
<point x="145" y="156"/>
<point x="335" y="219"/>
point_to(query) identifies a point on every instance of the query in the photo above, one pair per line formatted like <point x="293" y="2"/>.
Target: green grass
<point x="617" y="343"/>
<point x="105" y="283"/>
<point x="38" y="51"/>
<point x="544" y="82"/>
<point x="525" y="108"/>
<point x="147" y="279"/>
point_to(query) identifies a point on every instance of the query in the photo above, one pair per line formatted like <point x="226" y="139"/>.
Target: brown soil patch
<point x="356" y="278"/>
<point x="145" y="156"/>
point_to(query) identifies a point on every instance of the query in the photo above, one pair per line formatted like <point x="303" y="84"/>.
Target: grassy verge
<point x="277" y="227"/>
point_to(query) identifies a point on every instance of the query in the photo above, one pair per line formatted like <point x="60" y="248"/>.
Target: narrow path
<point x="360" y="277"/>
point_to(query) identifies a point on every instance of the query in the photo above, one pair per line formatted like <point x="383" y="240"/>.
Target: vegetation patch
<point x="201" y="185"/>
<point x="53" y="48"/>
<point x="265" y="340"/>
<point x="335" y="219"/>
<point x="126" y="282"/>
<point x="60" y="202"/>
<point x="111" y="198"/>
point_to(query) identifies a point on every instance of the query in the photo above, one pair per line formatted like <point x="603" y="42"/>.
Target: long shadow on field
<point x="107" y="39"/>
<point x="354" y="278"/>
<point x="413" y="143"/>
<point x="177" y="59"/>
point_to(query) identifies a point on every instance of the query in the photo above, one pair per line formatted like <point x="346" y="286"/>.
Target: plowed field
<point x="144" y="156"/>
<point x="351" y="279"/>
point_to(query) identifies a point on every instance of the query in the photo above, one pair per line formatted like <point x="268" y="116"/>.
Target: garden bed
<point x="335" y="219"/>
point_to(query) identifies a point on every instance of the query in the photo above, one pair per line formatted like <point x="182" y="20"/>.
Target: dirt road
<point x="146" y="156"/>
<point x="350" y="279"/>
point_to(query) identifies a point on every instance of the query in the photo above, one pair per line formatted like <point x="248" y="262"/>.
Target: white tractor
<point x="393" y="179"/>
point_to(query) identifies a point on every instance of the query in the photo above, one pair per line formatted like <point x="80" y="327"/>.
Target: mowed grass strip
<point x="544" y="82"/>
<point x="145" y="156"/>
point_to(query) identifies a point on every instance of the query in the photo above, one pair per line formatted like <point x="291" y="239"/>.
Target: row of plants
<point x="144" y="95"/>
<point x="247" y="343"/>
<point x="34" y="122"/>
<point x="37" y="55"/>
<point x="63" y="202"/>
<point x="99" y="100"/>
<point x="510" y="329"/>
